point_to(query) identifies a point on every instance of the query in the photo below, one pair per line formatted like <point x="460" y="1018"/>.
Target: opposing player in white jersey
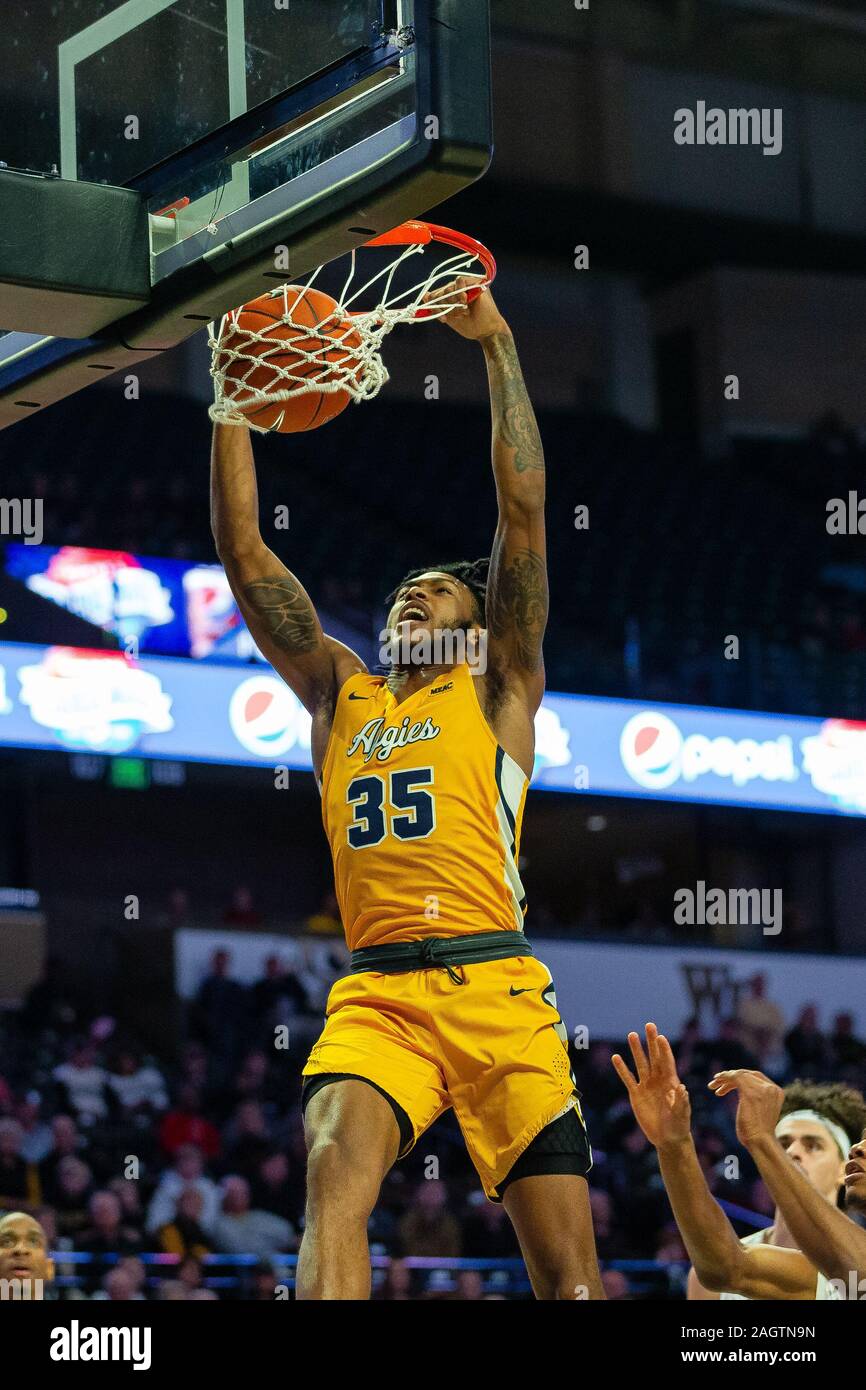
<point x="817" y="1127"/>
<point x="762" y="1266"/>
<point x="824" y="1232"/>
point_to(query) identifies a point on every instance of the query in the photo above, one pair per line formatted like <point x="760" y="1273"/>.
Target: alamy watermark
<point x="22" y="516"/>
<point x="399" y="647"/>
<point x="718" y="907"/>
<point x="737" y="126"/>
<point x="852" y="1291"/>
<point x="21" y="1290"/>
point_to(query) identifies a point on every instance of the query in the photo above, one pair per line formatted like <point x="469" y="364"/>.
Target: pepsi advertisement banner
<point x="112" y="703"/>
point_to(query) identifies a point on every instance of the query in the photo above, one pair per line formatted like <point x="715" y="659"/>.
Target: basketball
<point x="275" y="329"/>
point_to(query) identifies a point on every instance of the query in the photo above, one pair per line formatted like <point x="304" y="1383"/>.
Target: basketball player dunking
<point x="423" y="776"/>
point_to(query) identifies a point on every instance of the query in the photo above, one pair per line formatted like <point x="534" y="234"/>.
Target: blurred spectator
<point x="488" y="1233"/>
<point x="107" y="1233"/>
<point x="264" y="1283"/>
<point x="278" y="997"/>
<point x="194" y="1067"/>
<point x="247" y="1140"/>
<point x="20" y="1188"/>
<point x="397" y="1285"/>
<point x="635" y="1186"/>
<point x="326" y="921"/>
<point x="670" y="1248"/>
<point x="711" y="1150"/>
<point x="241" y="1230"/>
<point x="596" y="1077"/>
<point x="616" y="1286"/>
<point x="82" y="1083"/>
<point x="137" y="1088"/>
<point x="847" y="1049"/>
<point x="172" y="1291"/>
<point x="439" y="1286"/>
<point x="761" y="1022"/>
<point x="219" y="1013"/>
<point x="428" y="1228"/>
<point x="274" y="1191"/>
<point x="186" y="1124"/>
<point x="689" y="1047"/>
<point x="177" y="908"/>
<point x="127" y="1192"/>
<point x="805" y="1044"/>
<point x="251" y="1082"/>
<point x="610" y="1243"/>
<point x="119" y="1286"/>
<point x="324" y="961"/>
<point x="65" y="1140"/>
<point x="36" y="1139"/>
<point x="49" y="1004"/>
<point x="134" y="1267"/>
<point x="469" y="1286"/>
<point x="241" y="1106"/>
<point x="184" y="1235"/>
<point x="242" y="912"/>
<point x="189" y="1273"/>
<point x="73" y="1187"/>
<point x="727" y="1052"/>
<point x="186" y="1171"/>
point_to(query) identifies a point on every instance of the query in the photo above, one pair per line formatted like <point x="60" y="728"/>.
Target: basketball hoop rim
<point x="359" y="370"/>
<point x="418" y="233"/>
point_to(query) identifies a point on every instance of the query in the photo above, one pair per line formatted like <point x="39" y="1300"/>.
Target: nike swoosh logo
<point x="528" y="990"/>
<point x="359" y="697"/>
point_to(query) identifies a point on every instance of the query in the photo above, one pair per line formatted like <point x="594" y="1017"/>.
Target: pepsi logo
<point x="651" y="750"/>
<point x="266" y="718"/>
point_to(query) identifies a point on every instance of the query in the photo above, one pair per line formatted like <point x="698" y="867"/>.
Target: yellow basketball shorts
<point x="493" y="1048"/>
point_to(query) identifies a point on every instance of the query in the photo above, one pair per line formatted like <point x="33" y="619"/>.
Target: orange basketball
<point x="266" y="316"/>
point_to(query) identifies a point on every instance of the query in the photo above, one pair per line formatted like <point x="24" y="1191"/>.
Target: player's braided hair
<point x="843" y="1105"/>
<point x="472" y="573"/>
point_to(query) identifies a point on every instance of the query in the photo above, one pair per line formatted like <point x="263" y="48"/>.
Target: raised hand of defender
<point x="658" y="1098"/>
<point x="759" y="1102"/>
<point x="475" y="320"/>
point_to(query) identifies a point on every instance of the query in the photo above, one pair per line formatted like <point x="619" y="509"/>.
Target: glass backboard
<point x="244" y="125"/>
<point x="76" y="71"/>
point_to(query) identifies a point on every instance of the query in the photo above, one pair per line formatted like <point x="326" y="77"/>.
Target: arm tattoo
<point x="285" y="613"/>
<point x="517" y="596"/>
<point x="512" y="409"/>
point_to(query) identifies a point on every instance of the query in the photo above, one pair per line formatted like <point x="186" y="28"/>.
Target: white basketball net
<point x="359" y="370"/>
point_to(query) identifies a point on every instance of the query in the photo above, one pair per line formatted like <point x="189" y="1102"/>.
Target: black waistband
<point x="440" y="952"/>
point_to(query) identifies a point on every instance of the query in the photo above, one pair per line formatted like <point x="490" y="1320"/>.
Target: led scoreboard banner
<point x="156" y="707"/>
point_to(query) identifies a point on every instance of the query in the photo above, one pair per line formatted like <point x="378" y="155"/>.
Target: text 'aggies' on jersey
<point x="422" y="809"/>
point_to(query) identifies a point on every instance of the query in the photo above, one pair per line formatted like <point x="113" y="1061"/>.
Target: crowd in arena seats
<point x="183" y="1178"/>
<point x="671" y="561"/>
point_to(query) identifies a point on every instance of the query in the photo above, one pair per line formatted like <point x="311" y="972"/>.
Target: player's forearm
<point x="709" y="1236"/>
<point x="518" y="454"/>
<point x="234" y="495"/>
<point x="825" y="1235"/>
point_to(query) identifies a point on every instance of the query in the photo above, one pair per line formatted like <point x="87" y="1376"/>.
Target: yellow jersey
<point x="423" y="811"/>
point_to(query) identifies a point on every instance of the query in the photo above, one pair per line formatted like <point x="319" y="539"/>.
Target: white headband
<point x="835" y="1130"/>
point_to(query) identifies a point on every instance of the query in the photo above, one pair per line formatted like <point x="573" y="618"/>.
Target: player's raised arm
<point x="830" y="1238"/>
<point x="661" y="1107"/>
<point x="517" y="594"/>
<point x="276" y="607"/>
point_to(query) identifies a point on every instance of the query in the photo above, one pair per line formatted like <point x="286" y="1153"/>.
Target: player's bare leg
<point x="352" y="1141"/>
<point x="553" y="1221"/>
